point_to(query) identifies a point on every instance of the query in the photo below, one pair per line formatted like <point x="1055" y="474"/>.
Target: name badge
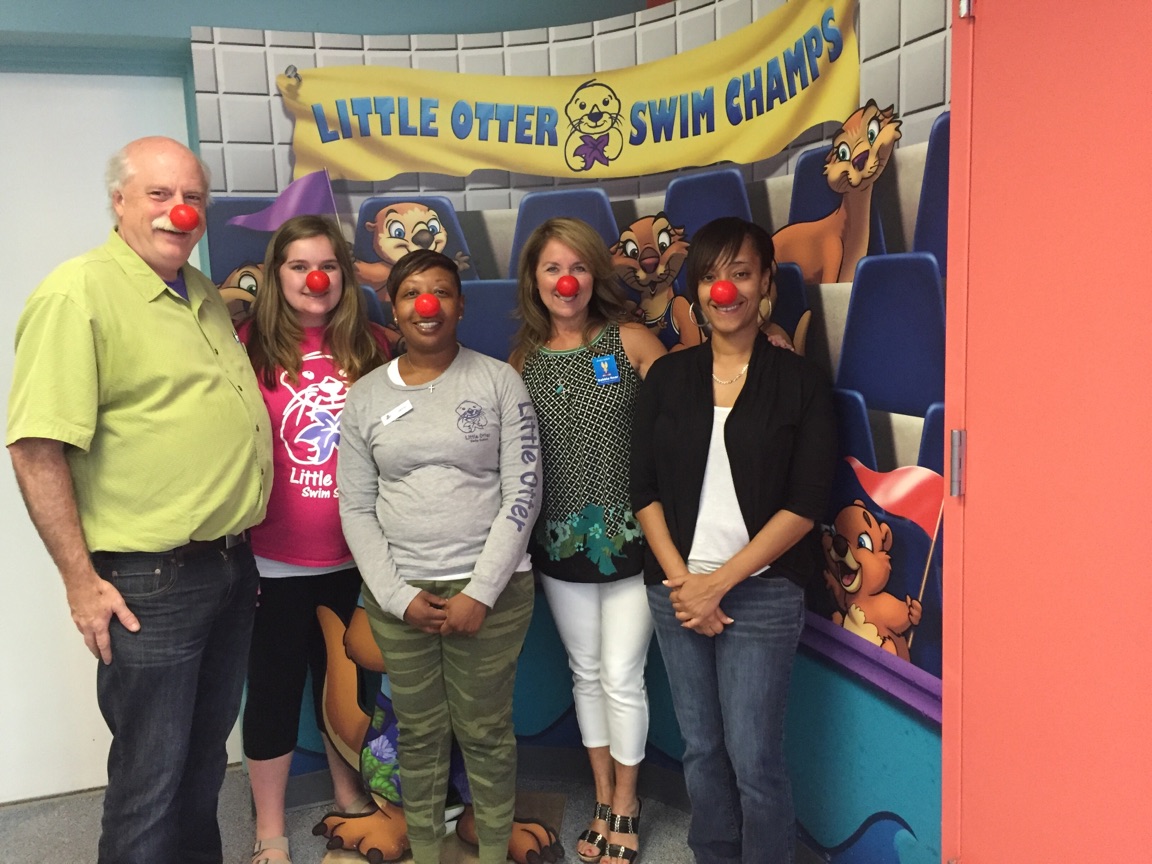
<point x="604" y="368"/>
<point x="396" y="413"/>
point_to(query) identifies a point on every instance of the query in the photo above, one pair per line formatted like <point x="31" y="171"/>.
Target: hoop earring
<point x="765" y="318"/>
<point x="692" y="316"/>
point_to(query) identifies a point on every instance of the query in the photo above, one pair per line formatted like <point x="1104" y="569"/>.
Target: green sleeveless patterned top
<point x="586" y="531"/>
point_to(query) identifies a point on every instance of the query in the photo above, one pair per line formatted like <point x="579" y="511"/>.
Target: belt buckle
<point x="231" y="540"/>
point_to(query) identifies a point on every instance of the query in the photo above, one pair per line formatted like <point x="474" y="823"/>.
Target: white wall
<point x="60" y="131"/>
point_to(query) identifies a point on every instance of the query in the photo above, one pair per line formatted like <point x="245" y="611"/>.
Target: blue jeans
<point x="730" y="692"/>
<point x="170" y="698"/>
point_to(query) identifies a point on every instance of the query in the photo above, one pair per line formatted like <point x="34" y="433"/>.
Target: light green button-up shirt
<point x="170" y="440"/>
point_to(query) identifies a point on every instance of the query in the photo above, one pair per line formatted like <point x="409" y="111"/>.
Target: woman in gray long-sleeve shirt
<point x="439" y="479"/>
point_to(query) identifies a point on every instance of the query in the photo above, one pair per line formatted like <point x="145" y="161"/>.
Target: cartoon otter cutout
<point x="239" y="290"/>
<point x="398" y="230"/>
<point x="647" y="258"/>
<point x="596" y="138"/>
<point x="857" y="565"/>
<point x="829" y="249"/>
<point x="368" y="742"/>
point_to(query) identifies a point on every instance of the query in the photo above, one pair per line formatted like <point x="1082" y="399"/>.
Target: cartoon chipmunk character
<point x="647" y="258"/>
<point x="594" y="112"/>
<point x="398" y="230"/>
<point x="857" y="565"/>
<point x="239" y="290"/>
<point x="828" y="249"/>
<point x="368" y="743"/>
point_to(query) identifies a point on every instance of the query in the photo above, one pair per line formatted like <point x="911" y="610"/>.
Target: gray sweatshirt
<point x="439" y="479"/>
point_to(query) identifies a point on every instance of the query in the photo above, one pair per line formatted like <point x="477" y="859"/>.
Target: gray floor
<point x="66" y="828"/>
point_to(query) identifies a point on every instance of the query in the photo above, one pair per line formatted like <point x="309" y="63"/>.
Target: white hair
<point x="120" y="171"/>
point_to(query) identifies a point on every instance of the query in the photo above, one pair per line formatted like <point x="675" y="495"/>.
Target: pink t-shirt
<point x="303" y="522"/>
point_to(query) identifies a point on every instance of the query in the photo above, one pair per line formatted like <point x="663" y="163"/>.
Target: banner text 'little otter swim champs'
<point x="741" y="98"/>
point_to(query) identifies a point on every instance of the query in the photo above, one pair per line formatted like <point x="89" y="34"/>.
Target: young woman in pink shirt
<point x="309" y="338"/>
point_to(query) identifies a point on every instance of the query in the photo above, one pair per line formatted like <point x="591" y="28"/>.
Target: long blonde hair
<point x="276" y="333"/>
<point x="607" y="302"/>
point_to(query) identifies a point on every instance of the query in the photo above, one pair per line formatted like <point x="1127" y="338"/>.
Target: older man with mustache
<point x="142" y="449"/>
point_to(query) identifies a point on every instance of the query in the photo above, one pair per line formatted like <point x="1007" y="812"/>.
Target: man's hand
<point x="465" y="616"/>
<point x="46" y="484"/>
<point x="425" y="613"/>
<point x="93" y="603"/>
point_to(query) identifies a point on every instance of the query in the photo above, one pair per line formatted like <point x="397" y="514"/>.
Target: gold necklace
<point x="732" y="380"/>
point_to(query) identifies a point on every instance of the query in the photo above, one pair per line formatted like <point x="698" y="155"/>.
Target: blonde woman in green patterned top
<point x="582" y="358"/>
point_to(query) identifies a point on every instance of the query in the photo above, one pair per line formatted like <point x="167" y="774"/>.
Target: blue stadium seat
<point x="791" y="303"/>
<point x="591" y="205"/>
<point x="853" y="429"/>
<point x="893" y="348"/>
<point x="229" y="246"/>
<point x="931" y="233"/>
<point x="694" y="200"/>
<point x="927" y="644"/>
<point x="932" y="439"/>
<point x="374" y="307"/>
<point x="488" y="324"/>
<point x="457" y="242"/>
<point x="813" y="198"/>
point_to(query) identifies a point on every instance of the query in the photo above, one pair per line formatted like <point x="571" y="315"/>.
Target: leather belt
<point x="220" y="544"/>
<point x="201" y="547"/>
<point x="189" y="549"/>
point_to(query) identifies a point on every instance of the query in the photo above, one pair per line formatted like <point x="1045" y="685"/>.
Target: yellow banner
<point x="741" y="98"/>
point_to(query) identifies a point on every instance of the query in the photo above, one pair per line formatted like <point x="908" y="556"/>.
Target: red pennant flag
<point x="912" y="492"/>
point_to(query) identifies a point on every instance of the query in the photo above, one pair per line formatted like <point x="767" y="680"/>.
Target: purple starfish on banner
<point x="593" y="150"/>
<point x="311" y="194"/>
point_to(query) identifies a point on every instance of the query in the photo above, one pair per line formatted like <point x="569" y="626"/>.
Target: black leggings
<point x="286" y="643"/>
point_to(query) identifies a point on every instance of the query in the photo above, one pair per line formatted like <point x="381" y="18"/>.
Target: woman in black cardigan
<point x="732" y="457"/>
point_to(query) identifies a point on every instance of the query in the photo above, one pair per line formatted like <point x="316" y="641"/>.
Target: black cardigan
<point x="780" y="436"/>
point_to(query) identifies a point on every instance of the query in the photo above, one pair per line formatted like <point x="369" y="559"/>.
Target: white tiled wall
<point x="246" y="135"/>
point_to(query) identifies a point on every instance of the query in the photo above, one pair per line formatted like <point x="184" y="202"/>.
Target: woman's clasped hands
<point x="696" y="600"/>
<point x="458" y="614"/>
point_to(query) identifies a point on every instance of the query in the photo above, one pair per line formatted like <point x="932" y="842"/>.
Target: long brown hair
<point x="277" y="334"/>
<point x="607" y="302"/>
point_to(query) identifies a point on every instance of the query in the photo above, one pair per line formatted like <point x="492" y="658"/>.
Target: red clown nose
<point x="185" y="218"/>
<point x="723" y="293"/>
<point x="317" y="281"/>
<point x="567" y="286"/>
<point x="427" y="305"/>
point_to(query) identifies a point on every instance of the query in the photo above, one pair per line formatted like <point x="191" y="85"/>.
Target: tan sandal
<point x="279" y="844"/>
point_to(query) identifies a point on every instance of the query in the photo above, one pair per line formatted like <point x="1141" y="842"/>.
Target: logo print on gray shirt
<point x="471" y="416"/>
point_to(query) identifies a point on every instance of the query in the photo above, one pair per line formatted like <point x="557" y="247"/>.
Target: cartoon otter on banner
<point x="594" y="112"/>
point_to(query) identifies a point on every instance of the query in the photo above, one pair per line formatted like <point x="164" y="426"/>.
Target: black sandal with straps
<point x="624" y="825"/>
<point x="601" y="811"/>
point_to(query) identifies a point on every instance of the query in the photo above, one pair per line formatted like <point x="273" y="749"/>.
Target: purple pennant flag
<point x="311" y="194"/>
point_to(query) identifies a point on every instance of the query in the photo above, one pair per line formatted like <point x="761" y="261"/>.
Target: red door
<point x="1048" y="570"/>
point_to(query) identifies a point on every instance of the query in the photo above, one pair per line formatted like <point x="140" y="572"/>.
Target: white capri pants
<point x="606" y="629"/>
